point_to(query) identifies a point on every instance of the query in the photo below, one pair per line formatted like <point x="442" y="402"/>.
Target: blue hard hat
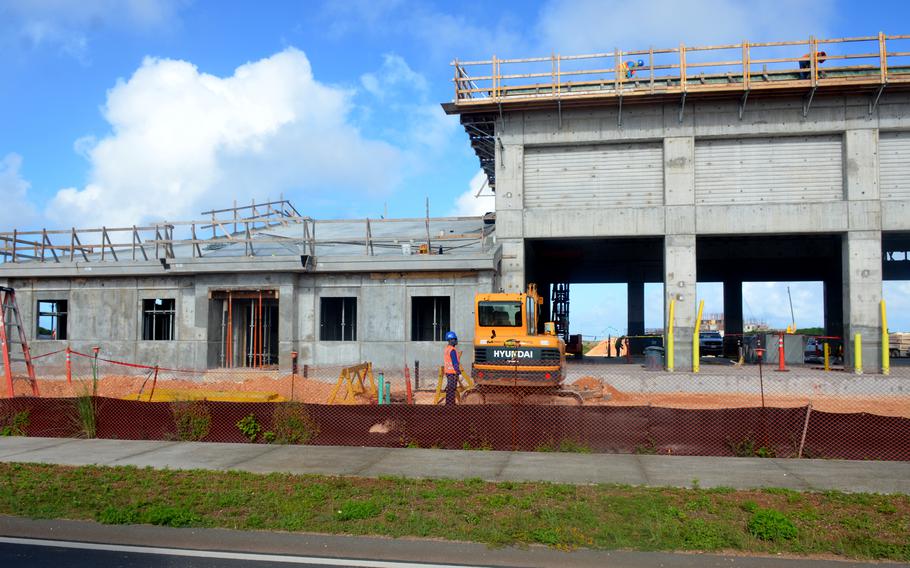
<point x="450" y="335"/>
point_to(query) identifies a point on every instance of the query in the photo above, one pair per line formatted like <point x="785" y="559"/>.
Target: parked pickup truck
<point x="710" y="343"/>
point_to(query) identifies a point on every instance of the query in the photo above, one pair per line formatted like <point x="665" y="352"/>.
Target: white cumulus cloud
<point x="469" y="203"/>
<point x="16" y="211"/>
<point x="182" y="140"/>
<point x="393" y="77"/>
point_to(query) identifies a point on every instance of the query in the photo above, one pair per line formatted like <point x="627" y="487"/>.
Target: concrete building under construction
<point x="743" y="162"/>
<point x="246" y="286"/>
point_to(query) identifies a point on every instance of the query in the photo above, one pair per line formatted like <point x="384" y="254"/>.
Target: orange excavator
<point x="513" y="363"/>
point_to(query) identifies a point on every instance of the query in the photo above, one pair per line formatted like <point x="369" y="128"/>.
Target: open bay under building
<point x="743" y="162"/>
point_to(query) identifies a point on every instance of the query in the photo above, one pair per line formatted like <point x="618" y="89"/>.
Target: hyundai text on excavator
<point x="513" y="363"/>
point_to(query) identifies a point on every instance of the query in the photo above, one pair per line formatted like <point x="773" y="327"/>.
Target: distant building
<point x="713" y="322"/>
<point x="753" y="325"/>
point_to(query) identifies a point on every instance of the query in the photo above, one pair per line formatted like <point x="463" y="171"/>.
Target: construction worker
<point x="451" y="363"/>
<point x="805" y="62"/>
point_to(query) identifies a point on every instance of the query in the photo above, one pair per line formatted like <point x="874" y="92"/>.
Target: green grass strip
<point x="864" y="526"/>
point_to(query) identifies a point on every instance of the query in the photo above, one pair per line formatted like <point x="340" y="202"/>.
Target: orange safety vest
<point x="447" y="359"/>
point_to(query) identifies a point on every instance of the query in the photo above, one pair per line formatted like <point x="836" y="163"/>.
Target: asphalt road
<point x="53" y="554"/>
<point x="59" y="544"/>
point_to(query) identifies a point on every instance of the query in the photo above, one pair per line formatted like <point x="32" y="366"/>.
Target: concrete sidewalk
<point x="655" y="471"/>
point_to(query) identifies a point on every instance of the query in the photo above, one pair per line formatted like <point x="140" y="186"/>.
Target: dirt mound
<point x="615" y="395"/>
<point x="588" y="383"/>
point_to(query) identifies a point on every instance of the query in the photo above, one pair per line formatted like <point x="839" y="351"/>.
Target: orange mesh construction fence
<point x="623" y="405"/>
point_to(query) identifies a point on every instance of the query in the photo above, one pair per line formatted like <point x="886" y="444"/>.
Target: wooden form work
<point x="872" y="61"/>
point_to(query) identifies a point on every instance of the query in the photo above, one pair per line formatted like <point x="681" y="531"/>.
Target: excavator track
<point x="558" y="397"/>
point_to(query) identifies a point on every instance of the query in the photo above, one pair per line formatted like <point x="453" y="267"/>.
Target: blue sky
<point x="117" y="111"/>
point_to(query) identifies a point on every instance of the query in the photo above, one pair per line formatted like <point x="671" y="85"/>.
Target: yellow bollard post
<point x="669" y="349"/>
<point x="886" y="346"/>
<point x="827" y="357"/>
<point x="696" y="344"/>
<point x="858" y="354"/>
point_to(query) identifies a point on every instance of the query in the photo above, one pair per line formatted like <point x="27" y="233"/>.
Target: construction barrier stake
<point x="407" y="385"/>
<point x="670" y="336"/>
<point x="381" y="388"/>
<point x="781" y="357"/>
<point x="827" y="356"/>
<point x="696" y="339"/>
<point x="69" y="366"/>
<point x="154" y="382"/>
<point x="886" y="345"/>
<point x="858" y="354"/>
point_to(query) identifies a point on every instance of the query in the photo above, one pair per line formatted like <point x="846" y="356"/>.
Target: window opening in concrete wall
<point x="338" y="319"/>
<point x="158" y="316"/>
<point x="245" y="323"/>
<point x="51" y="319"/>
<point x="430" y="318"/>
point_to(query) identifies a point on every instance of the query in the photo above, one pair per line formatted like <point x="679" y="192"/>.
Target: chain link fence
<point x="731" y="407"/>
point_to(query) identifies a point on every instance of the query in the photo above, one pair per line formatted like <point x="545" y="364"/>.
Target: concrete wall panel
<point x="602" y="176"/>
<point x="767" y="170"/>
<point x="894" y="157"/>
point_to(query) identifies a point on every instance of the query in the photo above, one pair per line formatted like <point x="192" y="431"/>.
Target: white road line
<point x="305" y="560"/>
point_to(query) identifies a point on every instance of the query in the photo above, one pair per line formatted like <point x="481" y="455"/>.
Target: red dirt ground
<point x="881" y="405"/>
<point x="316" y="391"/>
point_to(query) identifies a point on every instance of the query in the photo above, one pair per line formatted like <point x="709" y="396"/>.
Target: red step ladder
<point x="12" y="333"/>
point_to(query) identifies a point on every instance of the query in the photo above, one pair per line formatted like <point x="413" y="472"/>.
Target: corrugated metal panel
<point x="603" y="175"/>
<point x="894" y="164"/>
<point x="769" y="170"/>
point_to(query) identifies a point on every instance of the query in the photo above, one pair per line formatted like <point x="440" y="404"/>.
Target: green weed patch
<point x="864" y="526"/>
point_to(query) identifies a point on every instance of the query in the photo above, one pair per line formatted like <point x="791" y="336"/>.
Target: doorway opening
<point x="247" y="323"/>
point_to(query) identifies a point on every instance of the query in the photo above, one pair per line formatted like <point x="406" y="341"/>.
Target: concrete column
<point x="862" y="247"/>
<point x="636" y="308"/>
<point x="862" y="261"/>
<point x="679" y="244"/>
<point x="510" y="215"/>
<point x="287" y="321"/>
<point x="733" y="306"/>
<point x="679" y="286"/>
